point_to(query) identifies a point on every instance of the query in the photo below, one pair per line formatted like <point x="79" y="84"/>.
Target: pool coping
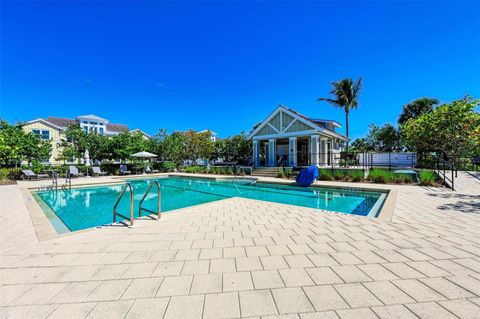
<point x="45" y="230"/>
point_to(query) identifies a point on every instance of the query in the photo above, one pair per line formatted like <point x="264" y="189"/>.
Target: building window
<point x="85" y="128"/>
<point x="101" y="130"/>
<point x="46" y="135"/>
<point x="42" y="134"/>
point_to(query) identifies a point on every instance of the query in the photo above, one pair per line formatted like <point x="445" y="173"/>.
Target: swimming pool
<point x="86" y="207"/>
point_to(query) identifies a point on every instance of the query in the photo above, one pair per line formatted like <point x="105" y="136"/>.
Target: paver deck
<point x="240" y="258"/>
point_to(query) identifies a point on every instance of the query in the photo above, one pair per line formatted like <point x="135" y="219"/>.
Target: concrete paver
<point x="244" y="258"/>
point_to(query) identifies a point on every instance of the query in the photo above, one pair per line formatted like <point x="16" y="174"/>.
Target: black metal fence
<point x="362" y="160"/>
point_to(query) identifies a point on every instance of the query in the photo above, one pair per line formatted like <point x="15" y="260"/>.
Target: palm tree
<point x="346" y="93"/>
<point x="416" y="108"/>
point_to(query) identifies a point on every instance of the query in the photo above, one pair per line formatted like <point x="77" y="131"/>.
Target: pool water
<point x="81" y="208"/>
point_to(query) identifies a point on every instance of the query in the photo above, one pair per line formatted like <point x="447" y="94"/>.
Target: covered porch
<point x="295" y="151"/>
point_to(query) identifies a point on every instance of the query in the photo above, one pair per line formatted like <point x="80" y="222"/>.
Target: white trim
<point x="281" y="121"/>
<point x="44" y="122"/>
<point x="273" y="127"/>
<point x="288" y="126"/>
<point x="313" y="125"/>
<point x="272" y="115"/>
<point x="139" y="130"/>
<point x="284" y="135"/>
<point x="280" y="109"/>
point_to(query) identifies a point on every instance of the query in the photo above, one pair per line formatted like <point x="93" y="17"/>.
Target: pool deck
<point x="241" y="258"/>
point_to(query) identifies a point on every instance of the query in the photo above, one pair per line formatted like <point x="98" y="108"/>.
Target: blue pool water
<point x="81" y="208"/>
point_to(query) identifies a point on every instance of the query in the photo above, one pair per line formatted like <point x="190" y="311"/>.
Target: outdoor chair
<point x="74" y="172"/>
<point x="98" y="172"/>
<point x="150" y="171"/>
<point x="124" y="170"/>
<point x="30" y="174"/>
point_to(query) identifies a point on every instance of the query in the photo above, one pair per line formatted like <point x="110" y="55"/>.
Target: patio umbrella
<point x="86" y="158"/>
<point x="144" y="155"/>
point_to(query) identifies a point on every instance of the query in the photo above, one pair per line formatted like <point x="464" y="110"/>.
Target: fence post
<point x="453" y="187"/>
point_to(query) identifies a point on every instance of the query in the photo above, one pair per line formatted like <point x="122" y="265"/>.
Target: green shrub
<point x="109" y="168"/>
<point x="195" y="169"/>
<point x="338" y="175"/>
<point x="280" y="173"/>
<point x="325" y="175"/>
<point x="8" y="175"/>
<point x="399" y="179"/>
<point x="287" y="171"/>
<point x="381" y="176"/>
<point x="427" y="178"/>
<point x="407" y="179"/>
<point x="166" y="166"/>
<point x="356" y="175"/>
<point x="229" y="170"/>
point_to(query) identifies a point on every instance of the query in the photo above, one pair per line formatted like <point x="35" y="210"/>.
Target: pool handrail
<point x="115" y="213"/>
<point x="159" y="200"/>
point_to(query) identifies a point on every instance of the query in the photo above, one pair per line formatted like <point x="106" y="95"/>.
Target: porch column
<point x="314" y="149"/>
<point x="323" y="155"/>
<point x="256" y="157"/>
<point x="292" y="151"/>
<point x="271" y="152"/>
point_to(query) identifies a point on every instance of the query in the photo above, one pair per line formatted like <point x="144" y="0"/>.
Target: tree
<point x="17" y="145"/>
<point x="384" y="138"/>
<point x="452" y="129"/>
<point x="99" y="146"/>
<point x="416" y="108"/>
<point x="198" y="145"/>
<point x="173" y="147"/>
<point x="234" y="148"/>
<point x="156" y="144"/>
<point x="125" y="144"/>
<point x="10" y="142"/>
<point x="34" y="149"/>
<point x="74" y="144"/>
<point x="346" y="93"/>
<point x="361" y="145"/>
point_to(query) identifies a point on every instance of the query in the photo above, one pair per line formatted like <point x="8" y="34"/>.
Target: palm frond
<point x="331" y="101"/>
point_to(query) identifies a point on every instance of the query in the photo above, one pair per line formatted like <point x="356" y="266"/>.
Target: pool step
<point x="266" y="171"/>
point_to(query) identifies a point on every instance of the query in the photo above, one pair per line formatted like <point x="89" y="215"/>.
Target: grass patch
<point x="381" y="176"/>
<point x="355" y="175"/>
<point x="427" y="178"/>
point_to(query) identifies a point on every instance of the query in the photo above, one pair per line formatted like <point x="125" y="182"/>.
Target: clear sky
<point x="226" y="65"/>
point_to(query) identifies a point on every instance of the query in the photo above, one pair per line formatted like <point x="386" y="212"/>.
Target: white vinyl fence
<point x="388" y="159"/>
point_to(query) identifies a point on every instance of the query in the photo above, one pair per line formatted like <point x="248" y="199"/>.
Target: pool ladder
<point x="159" y="200"/>
<point x="131" y="219"/>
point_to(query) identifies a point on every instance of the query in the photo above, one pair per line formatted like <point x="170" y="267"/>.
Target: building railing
<point x="446" y="171"/>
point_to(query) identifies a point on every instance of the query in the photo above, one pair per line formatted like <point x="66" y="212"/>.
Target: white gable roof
<point x="298" y="117"/>
<point x="92" y="117"/>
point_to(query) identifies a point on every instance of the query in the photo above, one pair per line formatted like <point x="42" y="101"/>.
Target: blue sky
<point x="227" y="65"/>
